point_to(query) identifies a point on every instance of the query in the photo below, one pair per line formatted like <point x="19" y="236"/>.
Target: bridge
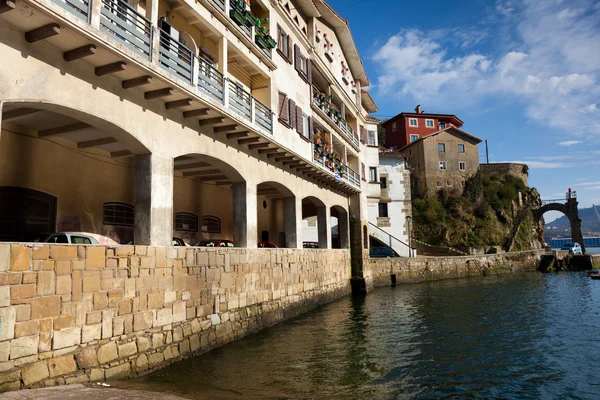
<point x="569" y="207"/>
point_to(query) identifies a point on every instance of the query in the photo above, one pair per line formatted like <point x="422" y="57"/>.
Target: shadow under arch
<point x="339" y="231"/>
<point x="276" y="215"/>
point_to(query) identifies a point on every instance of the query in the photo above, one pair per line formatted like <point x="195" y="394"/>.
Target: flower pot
<point x="238" y="16"/>
<point x="261" y="42"/>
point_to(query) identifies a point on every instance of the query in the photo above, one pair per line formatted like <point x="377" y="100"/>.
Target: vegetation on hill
<point x="485" y="214"/>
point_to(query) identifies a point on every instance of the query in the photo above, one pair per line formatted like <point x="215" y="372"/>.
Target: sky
<point x="523" y="74"/>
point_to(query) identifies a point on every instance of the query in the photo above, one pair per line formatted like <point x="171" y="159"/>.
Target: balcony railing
<point x="79" y="8"/>
<point x="175" y="58"/>
<point x="220" y="4"/>
<point x="240" y="101"/>
<point x="238" y="15"/>
<point x="127" y="25"/>
<point x="344" y="173"/>
<point x="331" y="112"/>
<point x="210" y="80"/>
<point x="263" y="116"/>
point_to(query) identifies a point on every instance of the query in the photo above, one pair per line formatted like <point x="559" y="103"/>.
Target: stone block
<point x="156" y="359"/>
<point x="4" y="351"/>
<point x="22" y="292"/>
<point x="141" y="363"/>
<point x="46" y="283"/>
<point x="41" y="252"/>
<point x="11" y="279"/>
<point x="23" y="346"/>
<point x="93" y="317"/>
<point x="157" y="340"/>
<point x="179" y="312"/>
<point x="124" y="251"/>
<point x="20" y="258"/>
<point x="143" y="321"/>
<point x="120" y="371"/>
<point x="100" y="301"/>
<point x="63" y="284"/>
<point x="76" y="286"/>
<point x="66" y="338"/>
<point x="96" y="258"/>
<point x="23" y="312"/>
<point x="107" y="323"/>
<point x="4" y="296"/>
<point x="107" y="352"/>
<point x="114" y="297"/>
<point x="29" y="277"/>
<point x="68" y="321"/>
<point x="96" y="374"/>
<point x="27" y="328"/>
<point x="170" y="297"/>
<point x="128" y="323"/>
<point x="215" y="319"/>
<point x="7" y="323"/>
<point x="35" y="372"/>
<point x="4" y="257"/>
<point x="87" y="357"/>
<point x="143" y="343"/>
<point x="63" y="267"/>
<point x="155" y="300"/>
<point x="164" y="316"/>
<point x="130" y="288"/>
<point x="89" y="333"/>
<point x="63" y="252"/>
<point x="45" y="334"/>
<point x="91" y="283"/>
<point x="62" y="365"/>
<point x="124" y="307"/>
<point x="178" y="334"/>
<point x="194" y="343"/>
<point x="127" y="349"/>
<point x="45" y="307"/>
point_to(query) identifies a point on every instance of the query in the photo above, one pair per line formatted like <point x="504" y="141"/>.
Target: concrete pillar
<point x="95" y="10"/>
<point x="153" y="186"/>
<point x="244" y="215"/>
<point x="152" y="15"/>
<point x="152" y="11"/>
<point x="293" y="238"/>
<point x="324" y="223"/>
<point x="343" y="230"/>
<point x="222" y="64"/>
<point x="1" y="107"/>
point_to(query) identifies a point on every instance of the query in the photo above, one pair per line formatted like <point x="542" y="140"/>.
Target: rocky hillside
<point x="493" y="210"/>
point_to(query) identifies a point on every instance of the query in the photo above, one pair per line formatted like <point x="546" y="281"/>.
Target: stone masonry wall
<point x="518" y="170"/>
<point x="420" y="269"/>
<point x="72" y="314"/>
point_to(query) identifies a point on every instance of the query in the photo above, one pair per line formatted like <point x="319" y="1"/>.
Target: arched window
<point x="120" y="214"/>
<point x="186" y="222"/>
<point x="211" y="224"/>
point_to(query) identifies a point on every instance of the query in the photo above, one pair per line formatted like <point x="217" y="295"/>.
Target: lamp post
<point x="408" y="221"/>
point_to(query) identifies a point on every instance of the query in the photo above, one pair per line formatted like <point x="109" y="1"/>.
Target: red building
<point x="405" y="128"/>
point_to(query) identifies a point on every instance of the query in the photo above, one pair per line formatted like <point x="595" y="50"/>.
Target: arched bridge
<point x="567" y="206"/>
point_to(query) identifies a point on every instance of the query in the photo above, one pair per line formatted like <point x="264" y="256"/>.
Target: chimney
<point x="418" y="109"/>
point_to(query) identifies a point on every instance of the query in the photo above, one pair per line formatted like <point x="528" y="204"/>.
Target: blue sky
<point x="523" y="74"/>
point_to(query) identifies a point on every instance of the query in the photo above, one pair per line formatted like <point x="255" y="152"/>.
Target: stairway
<point x="401" y="248"/>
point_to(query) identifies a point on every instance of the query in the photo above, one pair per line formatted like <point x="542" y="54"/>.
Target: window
<point x="461" y="148"/>
<point x="441" y="147"/>
<point x="429" y="123"/>
<point x="80" y="240"/>
<point x="211" y="224"/>
<point x="413" y="122"/>
<point x="462" y="165"/>
<point x="383" y="182"/>
<point x="58" y="239"/>
<point x="371" y="138"/>
<point x="383" y="210"/>
<point x="414" y="138"/>
<point x="373" y="174"/>
<point x="284" y="110"/>
<point x="120" y="214"/>
<point x="302" y="65"/>
<point x="328" y="50"/>
<point x="284" y="44"/>
<point x="443" y="165"/>
<point x="186" y="222"/>
<point x="442" y="125"/>
<point x="393" y="126"/>
<point x="305" y="126"/>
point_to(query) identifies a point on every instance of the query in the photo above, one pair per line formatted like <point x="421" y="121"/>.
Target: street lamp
<point x="408" y="221"/>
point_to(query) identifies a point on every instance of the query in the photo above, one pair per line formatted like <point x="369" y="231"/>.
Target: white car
<point x="573" y="247"/>
<point x="64" y="238"/>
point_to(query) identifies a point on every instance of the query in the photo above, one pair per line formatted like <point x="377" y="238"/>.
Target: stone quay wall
<point x="421" y="269"/>
<point x="74" y="314"/>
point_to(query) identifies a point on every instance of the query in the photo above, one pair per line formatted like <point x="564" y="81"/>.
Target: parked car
<point x="179" y="242"/>
<point x="267" y="245"/>
<point x="310" y="245"/>
<point x="573" y="247"/>
<point x="63" y="238"/>
<point x="216" y="243"/>
<point x="381" y="252"/>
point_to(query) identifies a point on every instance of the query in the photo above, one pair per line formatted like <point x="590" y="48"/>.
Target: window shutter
<point x="363" y="135"/>
<point x="297" y="59"/>
<point x="279" y="38"/>
<point x="309" y="71"/>
<point x="289" y="54"/>
<point x="299" y="121"/>
<point x="310" y="128"/>
<point x="362" y="168"/>
<point x="283" y="108"/>
<point x="292" y="108"/>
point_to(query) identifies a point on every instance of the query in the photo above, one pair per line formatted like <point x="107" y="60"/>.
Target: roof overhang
<point x="450" y="128"/>
<point x="308" y="8"/>
<point x="368" y="102"/>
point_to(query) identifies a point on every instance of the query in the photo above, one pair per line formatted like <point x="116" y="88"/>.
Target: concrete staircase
<point x="401" y="248"/>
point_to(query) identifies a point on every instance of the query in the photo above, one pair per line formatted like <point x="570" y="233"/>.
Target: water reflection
<point x="526" y="336"/>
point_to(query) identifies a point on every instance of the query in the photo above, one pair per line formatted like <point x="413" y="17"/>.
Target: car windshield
<point x="569" y="244"/>
<point x="39" y="237"/>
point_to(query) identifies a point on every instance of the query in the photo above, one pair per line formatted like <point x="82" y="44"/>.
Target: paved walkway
<point x="77" y="392"/>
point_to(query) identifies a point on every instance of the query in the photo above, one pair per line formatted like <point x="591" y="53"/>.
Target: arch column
<point x="343" y="230"/>
<point x="244" y="215"/>
<point x="323" y="223"/>
<point x="293" y="222"/>
<point x="153" y="193"/>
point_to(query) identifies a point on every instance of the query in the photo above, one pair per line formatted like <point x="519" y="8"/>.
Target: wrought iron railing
<point x="175" y="57"/>
<point x="263" y="116"/>
<point x="79" y="8"/>
<point x="210" y="80"/>
<point x="240" y="101"/>
<point x="127" y="25"/>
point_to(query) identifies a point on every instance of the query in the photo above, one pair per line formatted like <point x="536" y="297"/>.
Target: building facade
<point x="406" y="128"/>
<point x="442" y="161"/>
<point x="202" y="120"/>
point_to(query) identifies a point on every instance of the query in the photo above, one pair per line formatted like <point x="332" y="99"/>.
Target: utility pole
<point x="487" y="153"/>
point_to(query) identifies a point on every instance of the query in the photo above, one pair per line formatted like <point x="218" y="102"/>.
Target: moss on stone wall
<point x="486" y="214"/>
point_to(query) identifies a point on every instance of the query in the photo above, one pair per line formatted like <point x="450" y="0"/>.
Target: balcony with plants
<point x="324" y="103"/>
<point x="331" y="159"/>
<point x="254" y="22"/>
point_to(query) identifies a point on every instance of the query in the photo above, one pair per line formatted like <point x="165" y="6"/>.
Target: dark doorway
<point x="24" y="212"/>
<point x="264" y="236"/>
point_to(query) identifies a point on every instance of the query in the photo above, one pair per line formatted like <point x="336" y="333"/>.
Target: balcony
<point x="322" y="104"/>
<point x="119" y="19"/>
<point x="332" y="162"/>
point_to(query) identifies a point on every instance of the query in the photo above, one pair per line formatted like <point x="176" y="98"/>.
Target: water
<point x="528" y="336"/>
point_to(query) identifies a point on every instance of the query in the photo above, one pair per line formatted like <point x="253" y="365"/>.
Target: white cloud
<point x="569" y="143"/>
<point x="552" y="65"/>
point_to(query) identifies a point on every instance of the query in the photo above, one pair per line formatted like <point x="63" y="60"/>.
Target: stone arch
<point x="339" y="231"/>
<point x="276" y="217"/>
<point x="571" y="211"/>
<point x="314" y="207"/>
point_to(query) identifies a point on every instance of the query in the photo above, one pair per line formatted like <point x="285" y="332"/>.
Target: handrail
<point x="127" y="25"/>
<point x="393" y="237"/>
<point x="175" y="56"/>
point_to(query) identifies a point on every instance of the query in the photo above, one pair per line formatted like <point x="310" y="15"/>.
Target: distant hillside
<point x="589" y="222"/>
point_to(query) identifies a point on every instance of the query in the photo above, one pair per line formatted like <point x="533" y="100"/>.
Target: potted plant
<point x="238" y="13"/>
<point x="317" y="138"/>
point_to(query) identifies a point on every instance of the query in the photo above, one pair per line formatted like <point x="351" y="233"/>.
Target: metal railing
<point x="175" y="57"/>
<point x="400" y="247"/>
<point x="263" y="116"/>
<point x="220" y="4"/>
<point x="210" y="80"/>
<point x="79" y="8"/>
<point x="240" y="101"/>
<point x="234" y="8"/>
<point x="341" y="123"/>
<point x="353" y="177"/>
<point x="127" y="25"/>
<point x="348" y="175"/>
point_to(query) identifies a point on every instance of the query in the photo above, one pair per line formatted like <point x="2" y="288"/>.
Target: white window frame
<point x="416" y="122"/>
<point x="412" y="136"/>
<point x="372" y="174"/>
<point x="442" y="125"/>
<point x="443" y="166"/>
<point x="371" y="138"/>
<point x="462" y="164"/>
<point x="305" y="126"/>
<point x="427" y="121"/>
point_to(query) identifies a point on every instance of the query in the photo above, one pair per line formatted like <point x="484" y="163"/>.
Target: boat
<point x="593" y="273"/>
<point x="595" y="276"/>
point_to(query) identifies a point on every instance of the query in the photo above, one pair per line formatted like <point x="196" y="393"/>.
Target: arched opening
<point x="50" y="162"/>
<point x="339" y="228"/>
<point x="571" y="211"/>
<point x="276" y="215"/>
<point x="203" y="188"/>
<point x="315" y="223"/>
